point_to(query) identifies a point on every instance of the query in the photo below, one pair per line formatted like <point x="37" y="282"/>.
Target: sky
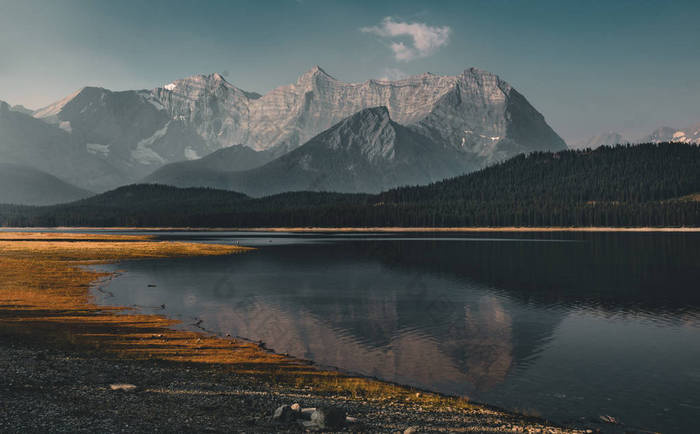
<point x="587" y="66"/>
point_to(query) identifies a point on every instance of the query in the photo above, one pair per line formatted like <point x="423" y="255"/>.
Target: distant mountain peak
<point x="52" y="110"/>
<point x="668" y="134"/>
<point x="200" y="80"/>
<point x="608" y="138"/>
<point x="369" y="132"/>
<point x="484" y="78"/>
<point x="368" y="118"/>
<point x="315" y="73"/>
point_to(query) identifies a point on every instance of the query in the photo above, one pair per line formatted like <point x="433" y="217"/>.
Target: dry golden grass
<point x="44" y="295"/>
<point x="69" y="236"/>
<point x="691" y="197"/>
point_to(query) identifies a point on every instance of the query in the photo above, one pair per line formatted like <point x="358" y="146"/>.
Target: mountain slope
<point x="367" y="152"/>
<point x="210" y="171"/>
<point x="27" y="186"/>
<point x="29" y="142"/>
<point x="487" y="120"/>
<point x="131" y="130"/>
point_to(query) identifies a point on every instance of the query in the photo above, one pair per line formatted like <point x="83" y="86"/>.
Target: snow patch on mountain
<point x="153" y="101"/>
<point x="97" y="149"/>
<point x="191" y="154"/>
<point x="690" y="135"/>
<point x="144" y="154"/>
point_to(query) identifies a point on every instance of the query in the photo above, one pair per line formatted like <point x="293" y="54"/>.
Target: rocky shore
<point x="53" y="390"/>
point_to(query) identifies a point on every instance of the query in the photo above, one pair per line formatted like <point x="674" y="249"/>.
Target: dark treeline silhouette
<point x="640" y="185"/>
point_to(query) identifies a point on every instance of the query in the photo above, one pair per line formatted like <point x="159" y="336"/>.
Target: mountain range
<point x="690" y="135"/>
<point x="430" y="126"/>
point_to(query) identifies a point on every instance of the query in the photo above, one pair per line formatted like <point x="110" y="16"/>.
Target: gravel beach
<point x="52" y="390"/>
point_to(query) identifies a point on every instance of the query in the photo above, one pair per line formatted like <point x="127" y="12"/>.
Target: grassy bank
<point x="45" y="299"/>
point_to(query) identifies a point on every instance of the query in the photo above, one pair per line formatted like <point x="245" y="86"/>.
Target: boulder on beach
<point x="285" y="413"/>
<point x="328" y="417"/>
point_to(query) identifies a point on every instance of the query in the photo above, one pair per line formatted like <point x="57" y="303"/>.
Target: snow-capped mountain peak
<point x="667" y="134"/>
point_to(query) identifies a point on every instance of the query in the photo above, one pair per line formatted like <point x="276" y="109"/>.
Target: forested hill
<point x="625" y="173"/>
<point x="641" y="185"/>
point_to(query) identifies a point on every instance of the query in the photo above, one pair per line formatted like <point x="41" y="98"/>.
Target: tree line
<point x="624" y="185"/>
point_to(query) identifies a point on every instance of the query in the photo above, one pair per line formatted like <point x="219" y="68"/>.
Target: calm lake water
<point x="568" y="326"/>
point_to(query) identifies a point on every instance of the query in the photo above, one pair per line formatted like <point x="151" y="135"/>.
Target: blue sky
<point x="588" y="66"/>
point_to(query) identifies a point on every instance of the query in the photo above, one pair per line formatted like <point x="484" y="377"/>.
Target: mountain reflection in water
<point x="478" y="317"/>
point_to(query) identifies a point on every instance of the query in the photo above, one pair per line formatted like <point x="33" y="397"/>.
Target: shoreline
<point x="380" y="229"/>
<point x="44" y="299"/>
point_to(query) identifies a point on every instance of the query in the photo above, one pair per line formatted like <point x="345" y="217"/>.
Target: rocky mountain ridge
<point x="286" y="117"/>
<point x="138" y="131"/>
<point x="120" y="137"/>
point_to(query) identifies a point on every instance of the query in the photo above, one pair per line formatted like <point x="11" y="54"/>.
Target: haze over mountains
<point x="24" y="185"/>
<point x="434" y="126"/>
<point x="29" y="142"/>
<point x="690" y="135"/>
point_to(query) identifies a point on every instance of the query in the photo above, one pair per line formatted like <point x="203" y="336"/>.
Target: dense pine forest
<point x="640" y="185"/>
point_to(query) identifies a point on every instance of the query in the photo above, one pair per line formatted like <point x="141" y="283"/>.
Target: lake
<point x="567" y="326"/>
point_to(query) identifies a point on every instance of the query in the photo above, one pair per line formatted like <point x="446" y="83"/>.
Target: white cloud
<point x="425" y="39"/>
